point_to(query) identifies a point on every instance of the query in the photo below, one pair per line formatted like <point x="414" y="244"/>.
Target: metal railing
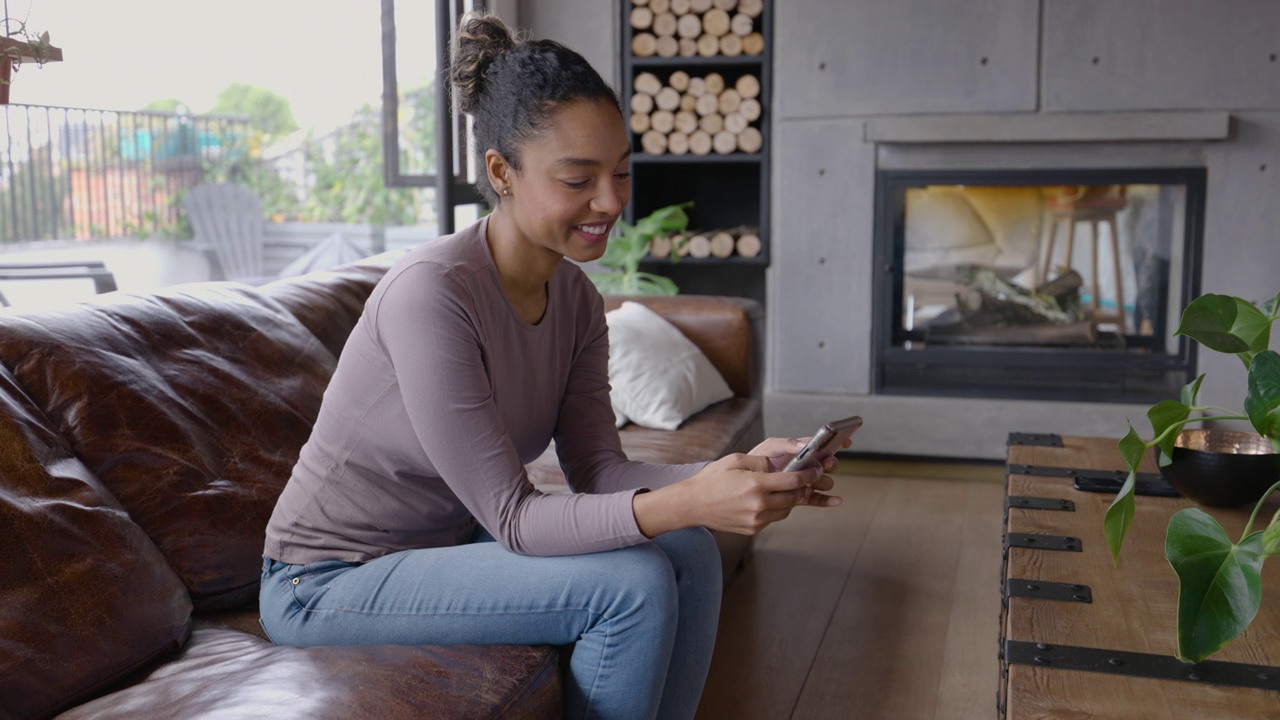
<point x="78" y="173"/>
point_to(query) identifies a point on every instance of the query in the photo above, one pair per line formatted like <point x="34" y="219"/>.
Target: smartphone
<point x="829" y="438"/>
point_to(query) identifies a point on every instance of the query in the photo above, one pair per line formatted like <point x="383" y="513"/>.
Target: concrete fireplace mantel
<point x="1049" y="127"/>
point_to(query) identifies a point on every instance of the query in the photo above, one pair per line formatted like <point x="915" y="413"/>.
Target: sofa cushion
<point x="226" y="673"/>
<point x="86" y="598"/>
<point x="725" y="329"/>
<point x="658" y="377"/>
<point x="191" y="406"/>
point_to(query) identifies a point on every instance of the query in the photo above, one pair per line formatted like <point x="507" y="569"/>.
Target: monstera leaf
<point x="1219" y="583"/>
<point x="1226" y="324"/>
<point x="1262" y="404"/>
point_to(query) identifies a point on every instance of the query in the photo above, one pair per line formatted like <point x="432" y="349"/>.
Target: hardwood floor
<point x="885" y="607"/>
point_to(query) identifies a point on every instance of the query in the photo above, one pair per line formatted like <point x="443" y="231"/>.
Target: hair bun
<point x="481" y="39"/>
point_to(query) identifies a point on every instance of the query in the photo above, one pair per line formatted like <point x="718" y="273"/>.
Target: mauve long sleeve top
<point x="441" y="394"/>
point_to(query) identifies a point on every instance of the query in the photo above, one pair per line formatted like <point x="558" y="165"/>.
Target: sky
<point x="324" y="56"/>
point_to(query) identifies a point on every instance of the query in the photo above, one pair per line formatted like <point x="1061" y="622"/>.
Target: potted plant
<point x="17" y="46"/>
<point x="631" y="245"/>
<point x="1219" y="586"/>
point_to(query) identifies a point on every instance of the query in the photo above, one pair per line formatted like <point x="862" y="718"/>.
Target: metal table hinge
<point x="1158" y="667"/>
<point x="1100" y="480"/>
<point x="1037" y="439"/>
<point x="1041" y="503"/>
<point x="1044" y="542"/>
<point x="1042" y="590"/>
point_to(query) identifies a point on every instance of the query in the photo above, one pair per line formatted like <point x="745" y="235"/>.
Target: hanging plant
<point x="19" y="46"/>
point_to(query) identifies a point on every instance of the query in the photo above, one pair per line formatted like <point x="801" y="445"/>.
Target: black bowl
<point x="1222" y="468"/>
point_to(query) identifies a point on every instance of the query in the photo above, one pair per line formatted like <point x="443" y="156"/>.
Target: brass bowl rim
<point x="1232" y="442"/>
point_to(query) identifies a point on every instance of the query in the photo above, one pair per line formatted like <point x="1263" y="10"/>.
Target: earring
<point x="506" y="191"/>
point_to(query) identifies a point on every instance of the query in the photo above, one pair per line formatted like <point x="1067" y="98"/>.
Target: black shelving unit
<point x="727" y="190"/>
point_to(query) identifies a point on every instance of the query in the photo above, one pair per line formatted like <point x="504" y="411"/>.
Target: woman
<point x="473" y="352"/>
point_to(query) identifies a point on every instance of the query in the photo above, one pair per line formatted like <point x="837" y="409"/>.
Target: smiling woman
<point x="410" y="518"/>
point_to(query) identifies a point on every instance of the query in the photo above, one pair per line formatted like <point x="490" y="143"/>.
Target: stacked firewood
<point x="743" y="241"/>
<point x="690" y="28"/>
<point x="696" y="114"/>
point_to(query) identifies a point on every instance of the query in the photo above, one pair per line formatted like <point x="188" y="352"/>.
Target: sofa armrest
<point x="728" y="330"/>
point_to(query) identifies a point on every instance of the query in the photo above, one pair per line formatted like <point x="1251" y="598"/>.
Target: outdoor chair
<point x="227" y="219"/>
<point x="103" y="279"/>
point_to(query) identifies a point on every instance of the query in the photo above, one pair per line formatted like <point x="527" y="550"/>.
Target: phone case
<point x="829" y="438"/>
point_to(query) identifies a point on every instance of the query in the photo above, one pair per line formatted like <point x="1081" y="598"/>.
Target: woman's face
<point x="575" y="181"/>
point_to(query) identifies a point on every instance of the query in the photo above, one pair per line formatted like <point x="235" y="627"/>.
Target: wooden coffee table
<point x="1081" y="638"/>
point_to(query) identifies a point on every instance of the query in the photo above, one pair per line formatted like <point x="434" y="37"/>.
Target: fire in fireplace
<point x="1036" y="284"/>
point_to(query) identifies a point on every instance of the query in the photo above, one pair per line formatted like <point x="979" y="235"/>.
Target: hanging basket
<point x="12" y="51"/>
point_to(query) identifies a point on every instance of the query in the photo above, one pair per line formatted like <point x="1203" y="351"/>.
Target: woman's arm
<point x="738" y="493"/>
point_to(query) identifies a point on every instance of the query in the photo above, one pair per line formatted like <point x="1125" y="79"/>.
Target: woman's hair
<point x="512" y="87"/>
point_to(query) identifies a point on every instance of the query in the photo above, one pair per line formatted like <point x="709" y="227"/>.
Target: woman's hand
<point x="781" y="450"/>
<point x="738" y="493"/>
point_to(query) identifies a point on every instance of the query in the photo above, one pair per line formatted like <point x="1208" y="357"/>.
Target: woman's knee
<point x="693" y="553"/>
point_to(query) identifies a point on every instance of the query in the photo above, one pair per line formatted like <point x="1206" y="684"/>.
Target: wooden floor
<point x="886" y="607"/>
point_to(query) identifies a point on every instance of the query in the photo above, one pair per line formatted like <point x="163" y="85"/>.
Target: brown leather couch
<point x="143" y="442"/>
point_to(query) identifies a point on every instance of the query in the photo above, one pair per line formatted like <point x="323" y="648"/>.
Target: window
<point x="423" y="138"/>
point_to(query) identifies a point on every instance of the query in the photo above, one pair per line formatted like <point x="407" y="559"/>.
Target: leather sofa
<point x="143" y="442"/>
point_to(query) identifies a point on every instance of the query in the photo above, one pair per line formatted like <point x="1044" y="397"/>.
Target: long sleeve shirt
<point x="441" y="395"/>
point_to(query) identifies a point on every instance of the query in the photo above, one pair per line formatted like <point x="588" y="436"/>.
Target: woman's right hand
<point x="737" y="493"/>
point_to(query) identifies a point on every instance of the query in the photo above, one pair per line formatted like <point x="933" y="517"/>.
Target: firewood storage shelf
<point x="729" y="190"/>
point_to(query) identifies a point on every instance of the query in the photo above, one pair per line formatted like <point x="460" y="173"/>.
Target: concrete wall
<point x="840" y="66"/>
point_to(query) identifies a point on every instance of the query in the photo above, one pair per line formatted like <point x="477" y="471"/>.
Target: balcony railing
<point x="78" y="173"/>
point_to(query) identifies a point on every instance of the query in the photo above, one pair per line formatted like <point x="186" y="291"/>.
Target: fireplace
<point x="1036" y="284"/>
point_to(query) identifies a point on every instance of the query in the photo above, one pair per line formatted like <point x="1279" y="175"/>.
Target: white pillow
<point x="659" y="376"/>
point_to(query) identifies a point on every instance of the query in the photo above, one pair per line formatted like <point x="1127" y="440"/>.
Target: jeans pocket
<point x="307" y="581"/>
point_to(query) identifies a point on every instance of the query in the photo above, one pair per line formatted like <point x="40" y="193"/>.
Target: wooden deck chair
<point x="228" y="220"/>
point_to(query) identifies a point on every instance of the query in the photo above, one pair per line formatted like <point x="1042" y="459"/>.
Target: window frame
<point x="452" y="186"/>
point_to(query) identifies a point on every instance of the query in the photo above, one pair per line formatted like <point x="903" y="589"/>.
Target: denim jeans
<point x="643" y="618"/>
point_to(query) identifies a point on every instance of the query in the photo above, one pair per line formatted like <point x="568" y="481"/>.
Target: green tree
<point x="346" y="178"/>
<point x="342" y="178"/>
<point x="418" y="131"/>
<point x="165" y="105"/>
<point x="268" y="112"/>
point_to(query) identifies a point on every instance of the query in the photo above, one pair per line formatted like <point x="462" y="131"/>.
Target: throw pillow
<point x="659" y="377"/>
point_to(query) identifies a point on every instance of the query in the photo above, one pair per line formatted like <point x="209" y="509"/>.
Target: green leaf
<point x="1219" y="583"/>
<point x="1226" y="324"/>
<point x="1119" y="515"/>
<point x="608" y="283"/>
<point x="670" y="219"/>
<point x="649" y="284"/>
<point x="631" y="245"/>
<point x="1165" y="417"/>
<point x="1271" y="536"/>
<point x="1132" y="448"/>
<point x="1263" y="399"/>
<point x="1272" y="307"/>
<point x="1190" y="391"/>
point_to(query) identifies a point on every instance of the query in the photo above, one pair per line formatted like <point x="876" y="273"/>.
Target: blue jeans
<point x="643" y="618"/>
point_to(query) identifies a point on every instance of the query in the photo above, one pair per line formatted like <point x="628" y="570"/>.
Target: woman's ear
<point x="499" y="171"/>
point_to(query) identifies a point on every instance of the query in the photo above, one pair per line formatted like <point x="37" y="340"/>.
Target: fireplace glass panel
<point x="1039" y="284"/>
